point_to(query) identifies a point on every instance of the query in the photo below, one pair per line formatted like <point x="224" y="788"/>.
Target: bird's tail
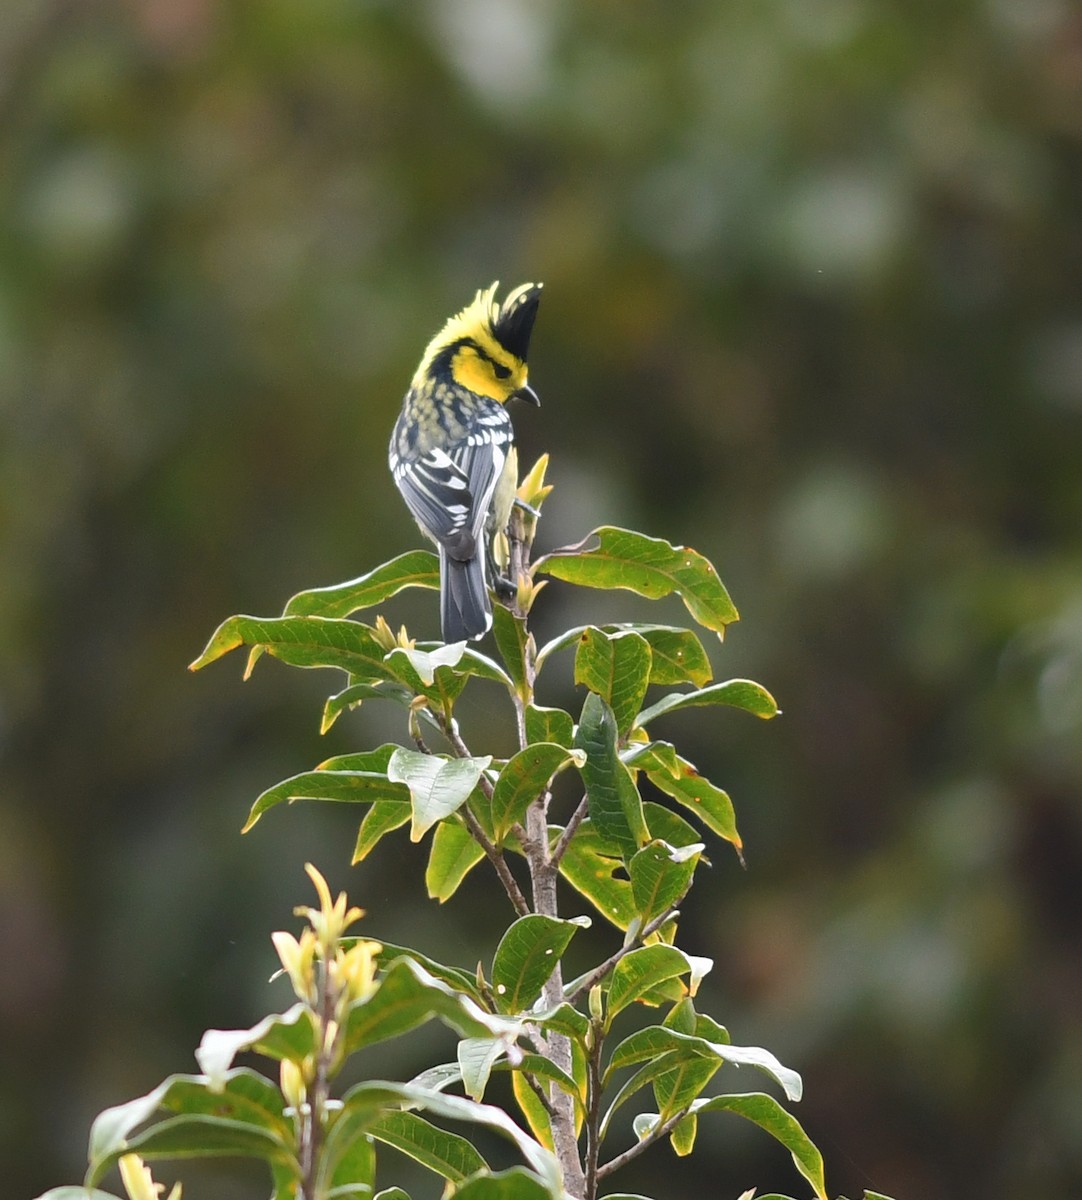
<point x="465" y="611"/>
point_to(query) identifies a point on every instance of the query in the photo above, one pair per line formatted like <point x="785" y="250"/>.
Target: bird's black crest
<point x="512" y="328"/>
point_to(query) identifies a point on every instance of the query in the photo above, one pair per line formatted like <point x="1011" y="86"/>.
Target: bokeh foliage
<point x="811" y="299"/>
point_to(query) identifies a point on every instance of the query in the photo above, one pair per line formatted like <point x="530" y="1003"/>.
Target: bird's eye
<point x="500" y="371"/>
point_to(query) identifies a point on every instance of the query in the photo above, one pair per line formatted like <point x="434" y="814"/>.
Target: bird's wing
<point x="449" y="491"/>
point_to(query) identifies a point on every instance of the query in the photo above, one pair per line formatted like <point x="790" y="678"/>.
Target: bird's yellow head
<point x="484" y="347"/>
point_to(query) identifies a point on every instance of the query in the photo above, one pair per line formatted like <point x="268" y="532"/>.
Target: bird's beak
<point x="528" y="394"/>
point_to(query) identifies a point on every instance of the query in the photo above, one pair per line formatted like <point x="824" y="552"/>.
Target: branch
<point x="599" y="972"/>
<point x="655" y="1135"/>
<point x="492" y="852"/>
<point x="497" y="859"/>
<point x="593" y="1115"/>
<point x="569" y="832"/>
<point x="539" y="1092"/>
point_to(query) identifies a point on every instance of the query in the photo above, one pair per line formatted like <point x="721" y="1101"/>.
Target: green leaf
<point x="512" y="642"/>
<point x="678" y="1075"/>
<point x="591" y="870"/>
<point x="476" y="1058"/>
<point x="343" y="787"/>
<point x="655" y="1040"/>
<point x="348" y="1167"/>
<point x="768" y="1114"/>
<point x="549" y="725"/>
<point x="377" y="1097"/>
<point x="302" y="642"/>
<point x="532" y="1110"/>
<point x="392" y="1193"/>
<point x="438" y="786"/>
<point x="660" y="876"/>
<point x="430" y="673"/>
<point x="355" y="695"/>
<point x="660" y="1065"/>
<point x="289" y="1035"/>
<point x="651" y="756"/>
<point x="544" y="1068"/>
<point x="669" y="826"/>
<point x="241" y="1113"/>
<point x="681" y="1016"/>
<point x="620" y="558"/>
<point x="698" y="795"/>
<point x="423" y="663"/>
<point x="617" y="668"/>
<point x="338" y="1148"/>
<point x="417" y="568"/>
<point x="196" y="1137"/>
<point x="242" y="1095"/>
<point x="473" y="662"/>
<point x="382" y="818"/>
<point x="636" y="973"/>
<point x="455" y="977"/>
<point x="447" y="1154"/>
<point x="527" y="955"/>
<point x="737" y="693"/>
<point x="453" y="855"/>
<point x="682" y="1137"/>
<point x="408" y="996"/>
<point x="675" y="1089"/>
<point x="565" y="1019"/>
<point x="513" y="1184"/>
<point x="524" y="778"/>
<point x="706" y="1027"/>
<point x="676" y="655"/>
<point x="614" y="802"/>
<point x="362" y="760"/>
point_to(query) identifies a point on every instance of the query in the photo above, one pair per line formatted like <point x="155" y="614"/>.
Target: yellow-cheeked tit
<point x="452" y="451"/>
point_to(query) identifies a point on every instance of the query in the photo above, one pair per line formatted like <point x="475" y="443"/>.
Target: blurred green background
<point x="812" y="306"/>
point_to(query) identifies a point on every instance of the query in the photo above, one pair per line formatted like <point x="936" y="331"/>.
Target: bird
<point x="452" y="452"/>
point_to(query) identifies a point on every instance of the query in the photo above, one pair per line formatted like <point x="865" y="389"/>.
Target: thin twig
<point x="494" y="856"/>
<point x="599" y="972"/>
<point x="655" y="1135"/>
<point x="569" y="832"/>
<point x="492" y="852"/>
<point x="539" y="1092"/>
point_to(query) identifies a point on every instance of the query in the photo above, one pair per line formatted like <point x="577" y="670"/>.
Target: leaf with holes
<point x="527" y="955"/>
<point x="592" y="870"/>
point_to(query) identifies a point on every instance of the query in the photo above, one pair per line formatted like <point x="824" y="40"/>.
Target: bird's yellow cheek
<point x="474" y="373"/>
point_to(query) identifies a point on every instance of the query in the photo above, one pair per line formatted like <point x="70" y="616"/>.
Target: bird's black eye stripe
<point x="498" y="369"/>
